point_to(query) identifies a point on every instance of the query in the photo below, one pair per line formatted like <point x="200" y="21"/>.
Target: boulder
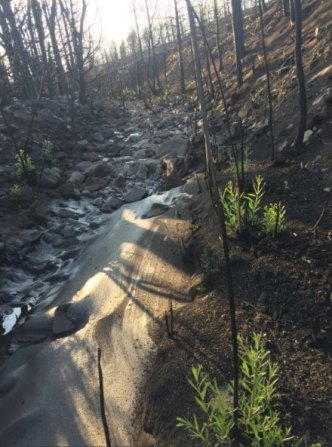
<point x="176" y="146"/>
<point x="156" y="209"/>
<point x="26" y="194"/>
<point x="324" y="99"/>
<point x="307" y="136"/>
<point x="51" y="177"/>
<point x="83" y="166"/>
<point x="236" y="130"/>
<point x="98" y="137"/>
<point x="69" y="191"/>
<point x="135" y="194"/>
<point x="76" y="178"/>
<point x="94" y="184"/>
<point x="111" y="204"/>
<point x="90" y="156"/>
<point x="62" y="324"/>
<point x="100" y="169"/>
<point x="119" y="181"/>
<point x="29" y="237"/>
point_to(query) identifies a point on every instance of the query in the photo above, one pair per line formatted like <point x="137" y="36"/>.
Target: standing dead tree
<point x="214" y="195"/>
<point x="300" y="76"/>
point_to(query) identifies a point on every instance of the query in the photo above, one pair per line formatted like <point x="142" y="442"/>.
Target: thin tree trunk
<point x="179" y="42"/>
<point x="237" y="21"/>
<point x="268" y="84"/>
<point x="214" y="194"/>
<point x="300" y="75"/>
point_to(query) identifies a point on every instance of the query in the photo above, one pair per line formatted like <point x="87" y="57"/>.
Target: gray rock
<point x="307" y="136"/>
<point x="236" y="130"/>
<point x="325" y="99"/>
<point x="62" y="324"/>
<point x="98" y="137"/>
<point x="69" y="191"/>
<point x="29" y="237"/>
<point x="67" y="212"/>
<point x="156" y="209"/>
<point x="100" y="169"/>
<point x="83" y="144"/>
<point x="135" y="194"/>
<point x="90" y="156"/>
<point x="51" y="177"/>
<point x="176" y="146"/>
<point x="76" y="178"/>
<point x="113" y="149"/>
<point x="26" y="194"/>
<point x="68" y="232"/>
<point x="94" y="184"/>
<point x="119" y="181"/>
<point x="37" y="265"/>
<point x="113" y="203"/>
<point x="163" y="133"/>
<point x="83" y="166"/>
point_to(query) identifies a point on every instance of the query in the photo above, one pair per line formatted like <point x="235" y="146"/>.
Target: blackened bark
<point x="300" y="75"/>
<point x="237" y="21"/>
<point x="179" y="43"/>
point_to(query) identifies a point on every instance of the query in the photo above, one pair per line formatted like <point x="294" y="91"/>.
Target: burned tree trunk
<point x="300" y="75"/>
<point x="179" y="43"/>
<point x="238" y="35"/>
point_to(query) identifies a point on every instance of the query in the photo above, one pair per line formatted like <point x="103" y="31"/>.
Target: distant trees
<point x="44" y="47"/>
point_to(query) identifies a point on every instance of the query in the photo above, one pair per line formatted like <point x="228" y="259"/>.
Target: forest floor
<point x="282" y="285"/>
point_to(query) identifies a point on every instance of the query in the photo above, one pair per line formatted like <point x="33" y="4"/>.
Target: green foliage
<point x="23" y="164"/>
<point x="233" y="206"/>
<point x="15" y="193"/>
<point x="253" y="199"/>
<point x="274" y="218"/>
<point x="259" y="422"/>
<point x="242" y="208"/>
<point x="48" y="151"/>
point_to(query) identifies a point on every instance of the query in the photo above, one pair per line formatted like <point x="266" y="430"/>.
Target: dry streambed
<point x="87" y="281"/>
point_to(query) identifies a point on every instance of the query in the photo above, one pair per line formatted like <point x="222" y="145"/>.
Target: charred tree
<point x="268" y="83"/>
<point x="300" y="75"/>
<point x="180" y="51"/>
<point x="238" y="35"/>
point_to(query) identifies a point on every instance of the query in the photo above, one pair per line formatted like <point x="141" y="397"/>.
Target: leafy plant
<point x="242" y="208"/>
<point x="15" y="193"/>
<point x="234" y="209"/>
<point x="274" y="218"/>
<point x="24" y="165"/>
<point x="253" y="199"/>
<point x="48" y="151"/>
<point x="259" y="422"/>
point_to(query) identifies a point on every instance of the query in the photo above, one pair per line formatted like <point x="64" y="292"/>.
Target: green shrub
<point x="259" y="422"/>
<point x="23" y="164"/>
<point x="241" y="208"/>
<point x="48" y="151"/>
<point x="274" y="218"/>
<point x="15" y="193"/>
